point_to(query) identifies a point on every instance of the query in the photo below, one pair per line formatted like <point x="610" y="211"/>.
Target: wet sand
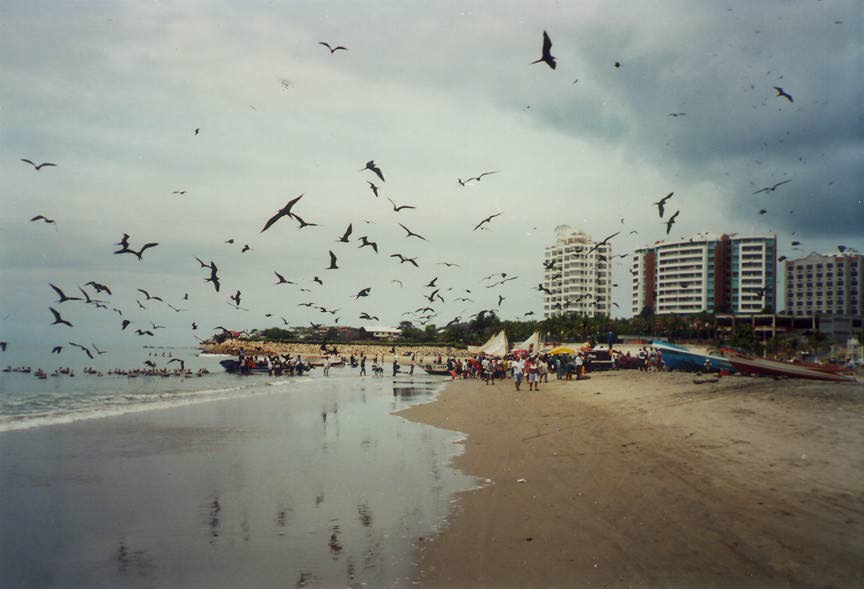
<point x="635" y="480"/>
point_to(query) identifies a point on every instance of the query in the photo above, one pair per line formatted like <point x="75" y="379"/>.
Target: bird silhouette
<point x="147" y="294"/>
<point x="662" y="202"/>
<point x="179" y="192"/>
<point x="486" y="220"/>
<point x="126" y="250"/>
<point x="236" y="298"/>
<point x="677" y="114"/>
<point x="56" y="349"/>
<point x="125" y="324"/>
<point x="58" y="319"/>
<point x="281" y="279"/>
<point x="432" y="282"/>
<point x="213" y="277"/>
<point x="369" y="317"/>
<point x="604" y="242"/>
<point x="344" y="238"/>
<point x="671" y="222"/>
<point x="62" y="295"/>
<point x="84" y="348"/>
<point x="318" y="280"/>
<point x="773" y="188"/>
<point x="303" y="223"/>
<point x="332" y="49"/>
<point x="44" y="218"/>
<point x="245" y="248"/>
<point x="197" y="130"/>
<point x="448" y="264"/>
<point x="411" y="233"/>
<point x="124" y="241"/>
<point x="366" y="242"/>
<point x="546" y="56"/>
<point x="762" y="211"/>
<point x="332" y="265"/>
<point x="363" y="293"/>
<point x="182" y="363"/>
<point x="783" y="93"/>
<point x="100" y="288"/>
<point x="370" y="165"/>
<point x="286" y="210"/>
<point x="231" y="241"/>
<point x="373" y="187"/>
<point x="403" y="259"/>
<point x="98" y="351"/>
<point x="399" y="208"/>
<point x="143" y="332"/>
<point x="480" y="177"/>
<point x="40" y="166"/>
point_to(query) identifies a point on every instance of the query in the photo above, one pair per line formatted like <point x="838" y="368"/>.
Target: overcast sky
<point x="112" y="93"/>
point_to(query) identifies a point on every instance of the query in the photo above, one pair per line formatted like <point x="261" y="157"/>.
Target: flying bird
<point x="332" y="265"/>
<point x="332" y="49"/>
<point x="235" y="297"/>
<point x="142" y="332"/>
<point x="773" y="188"/>
<point x="399" y="282"/>
<point x="399" y="208"/>
<point x="182" y="363"/>
<point x="344" y="238"/>
<point x="282" y="279"/>
<point x="124" y="241"/>
<point x="411" y="233"/>
<point x="63" y="297"/>
<point x="370" y="165"/>
<point x="58" y="319"/>
<point x="546" y="57"/>
<point x="604" y="242"/>
<point x="56" y="349"/>
<point x="139" y="253"/>
<point x="783" y="93"/>
<point x="662" y="202"/>
<point x="318" y="280"/>
<point x="44" y="218"/>
<point x="403" y="259"/>
<point x="677" y="114"/>
<point x="245" y="248"/>
<point x="147" y="294"/>
<point x="670" y="222"/>
<point x="197" y="130"/>
<point x="40" y="166"/>
<point x="98" y="351"/>
<point x="86" y="351"/>
<point x="448" y="264"/>
<point x="366" y="242"/>
<point x="286" y="210"/>
<point x="125" y="324"/>
<point x="213" y="278"/>
<point x="373" y="187"/>
<point x="179" y="192"/>
<point x="100" y="288"/>
<point x="486" y="220"/>
<point x="363" y="293"/>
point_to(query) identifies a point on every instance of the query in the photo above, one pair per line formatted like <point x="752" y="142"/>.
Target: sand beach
<point x="634" y="480"/>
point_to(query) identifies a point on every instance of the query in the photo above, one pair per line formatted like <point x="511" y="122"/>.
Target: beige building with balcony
<point x="578" y="275"/>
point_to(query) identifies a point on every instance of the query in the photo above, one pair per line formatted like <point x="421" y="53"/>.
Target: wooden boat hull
<point x="681" y="358"/>
<point x="747" y="364"/>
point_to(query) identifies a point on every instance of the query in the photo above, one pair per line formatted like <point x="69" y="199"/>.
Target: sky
<point x="112" y="92"/>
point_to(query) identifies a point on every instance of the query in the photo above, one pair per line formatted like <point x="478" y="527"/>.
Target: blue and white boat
<point x="681" y="358"/>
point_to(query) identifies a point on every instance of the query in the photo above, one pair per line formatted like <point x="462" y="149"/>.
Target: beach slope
<point x="635" y="479"/>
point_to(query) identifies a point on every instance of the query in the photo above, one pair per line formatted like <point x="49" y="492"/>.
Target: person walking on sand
<point x="531" y="371"/>
<point x="395" y="365"/>
<point x="518" y="368"/>
<point x="326" y="365"/>
<point x="363" y="365"/>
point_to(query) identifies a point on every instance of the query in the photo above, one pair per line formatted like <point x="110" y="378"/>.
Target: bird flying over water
<point x="286" y="210"/>
<point x="40" y="166"/>
<point x="546" y="56"/>
<point x="86" y="351"/>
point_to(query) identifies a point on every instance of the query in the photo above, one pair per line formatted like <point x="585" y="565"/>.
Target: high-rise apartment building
<point x="825" y="284"/>
<point x="706" y="272"/>
<point x="578" y="275"/>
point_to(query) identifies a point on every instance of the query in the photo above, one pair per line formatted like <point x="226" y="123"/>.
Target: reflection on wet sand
<point x="266" y="458"/>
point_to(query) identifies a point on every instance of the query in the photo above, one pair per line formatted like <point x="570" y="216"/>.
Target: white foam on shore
<point x="31" y="421"/>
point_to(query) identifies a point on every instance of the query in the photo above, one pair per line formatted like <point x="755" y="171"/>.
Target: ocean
<point x="218" y="481"/>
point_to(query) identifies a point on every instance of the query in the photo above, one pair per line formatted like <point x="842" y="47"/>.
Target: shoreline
<point x="635" y="479"/>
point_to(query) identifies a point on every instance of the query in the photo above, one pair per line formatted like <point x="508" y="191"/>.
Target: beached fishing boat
<point x="681" y="358"/>
<point x="747" y="364"/>
<point x="437" y="369"/>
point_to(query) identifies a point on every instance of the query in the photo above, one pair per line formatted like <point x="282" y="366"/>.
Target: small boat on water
<point x="681" y="358"/>
<point x="748" y="364"/>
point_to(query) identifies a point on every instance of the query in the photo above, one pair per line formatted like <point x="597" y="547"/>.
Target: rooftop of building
<point x="704" y="237"/>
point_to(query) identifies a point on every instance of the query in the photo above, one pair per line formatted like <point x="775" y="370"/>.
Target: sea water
<point x="219" y="481"/>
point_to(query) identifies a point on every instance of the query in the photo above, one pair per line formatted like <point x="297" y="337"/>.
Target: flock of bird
<point x="433" y="295"/>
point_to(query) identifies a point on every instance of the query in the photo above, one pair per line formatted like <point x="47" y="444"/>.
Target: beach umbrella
<point x="562" y="350"/>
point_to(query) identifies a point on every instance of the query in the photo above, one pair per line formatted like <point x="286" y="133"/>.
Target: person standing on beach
<point x="363" y="365"/>
<point x="395" y="365"/>
<point x="531" y="370"/>
<point x="579" y="363"/>
<point x="326" y="365"/>
<point x="518" y="368"/>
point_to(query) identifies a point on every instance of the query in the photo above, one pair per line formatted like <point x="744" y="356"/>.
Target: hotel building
<point x="706" y="272"/>
<point x="578" y="277"/>
<point x="827" y="284"/>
